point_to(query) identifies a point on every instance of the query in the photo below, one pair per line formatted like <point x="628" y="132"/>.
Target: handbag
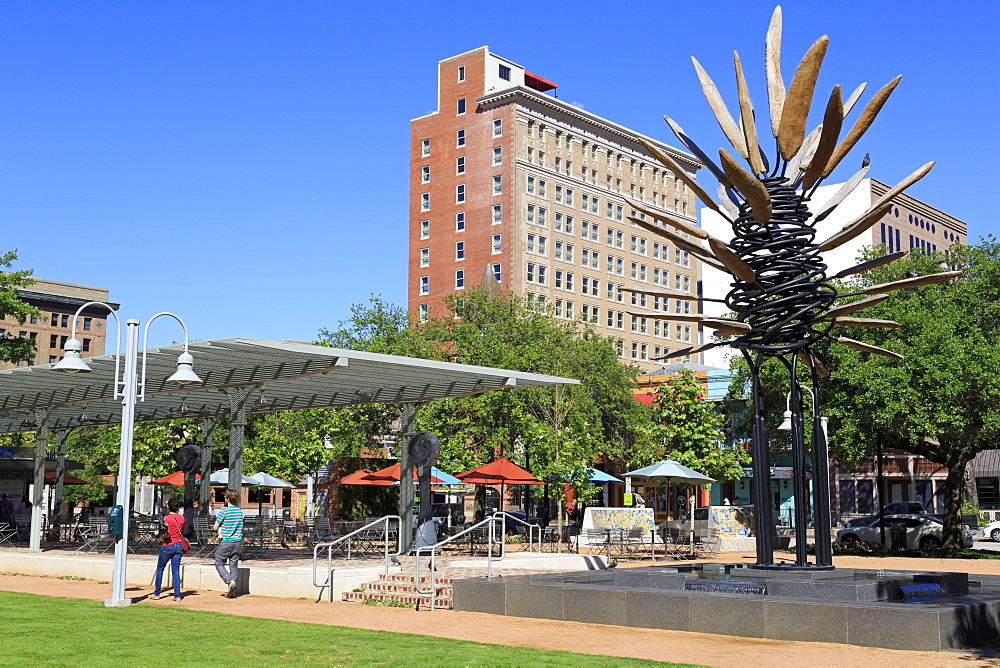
<point x="185" y="544"/>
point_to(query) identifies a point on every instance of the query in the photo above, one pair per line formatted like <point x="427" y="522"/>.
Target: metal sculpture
<point x="782" y="298"/>
<point x="424" y="449"/>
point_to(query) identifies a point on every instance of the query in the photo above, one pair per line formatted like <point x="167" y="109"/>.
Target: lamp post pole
<point x="129" y="392"/>
<point x="126" y="387"/>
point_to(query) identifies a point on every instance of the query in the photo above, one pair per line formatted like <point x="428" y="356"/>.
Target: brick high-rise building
<point x="58" y="302"/>
<point x="511" y="184"/>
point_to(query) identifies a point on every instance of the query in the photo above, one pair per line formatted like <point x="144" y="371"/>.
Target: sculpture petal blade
<point x="870" y="264"/>
<point x="703" y="253"/>
<point x="734" y="325"/>
<point x="833" y="119"/>
<point x="680" y="173"/>
<point x="687" y="351"/>
<point x="864" y="322"/>
<point x="694" y="148"/>
<point x="736" y="266"/>
<point x="856" y="227"/>
<point x="727" y="203"/>
<point x="676" y="221"/>
<point x="883" y="288"/>
<point x="752" y="189"/>
<point x="820" y="367"/>
<point x="805" y="154"/>
<point x="856" y="306"/>
<point x="861" y="125"/>
<point x="658" y="315"/>
<point x="858" y="345"/>
<point x="853" y="98"/>
<point x="671" y="294"/>
<point x="794" y="113"/>
<point x="772" y="70"/>
<point x="722" y="115"/>
<point x="917" y="174"/>
<point x="747" y="119"/>
<point x="841" y="194"/>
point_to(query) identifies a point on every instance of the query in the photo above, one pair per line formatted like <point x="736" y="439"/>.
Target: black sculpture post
<point x="424" y="449"/>
<point x="188" y="459"/>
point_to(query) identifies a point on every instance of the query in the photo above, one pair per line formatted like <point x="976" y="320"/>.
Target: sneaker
<point x="155" y="597"/>
<point x="231" y="592"/>
<point x="177" y="598"/>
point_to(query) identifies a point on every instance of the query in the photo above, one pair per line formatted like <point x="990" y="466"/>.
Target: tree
<point x="942" y="401"/>
<point x="690" y="429"/>
<point x="15" y="348"/>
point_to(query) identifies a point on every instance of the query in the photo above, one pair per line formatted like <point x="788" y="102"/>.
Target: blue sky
<point x="244" y="164"/>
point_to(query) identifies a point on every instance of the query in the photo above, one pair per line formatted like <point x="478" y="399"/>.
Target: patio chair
<point x="206" y="537"/>
<point x="707" y="542"/>
<point x="95" y="535"/>
<point x="8" y="533"/>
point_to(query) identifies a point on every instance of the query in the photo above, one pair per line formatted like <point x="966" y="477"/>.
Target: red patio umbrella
<point x="384" y="477"/>
<point x="68" y="479"/>
<point x="176" y="478"/>
<point x="360" y="478"/>
<point x="500" y="472"/>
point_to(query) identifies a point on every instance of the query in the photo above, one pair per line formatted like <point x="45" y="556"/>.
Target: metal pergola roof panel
<point x="297" y="375"/>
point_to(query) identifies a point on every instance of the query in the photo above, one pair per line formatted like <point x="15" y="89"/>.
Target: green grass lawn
<point x="75" y="632"/>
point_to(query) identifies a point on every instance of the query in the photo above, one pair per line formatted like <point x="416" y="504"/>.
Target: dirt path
<point x="698" y="648"/>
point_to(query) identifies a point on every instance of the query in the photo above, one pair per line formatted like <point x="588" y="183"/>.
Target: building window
<point x="530" y="188"/>
<point x="496" y="244"/>
<point x="461" y="105"/>
<point x="497" y="214"/>
<point x="460" y="138"/>
<point x="459" y="222"/>
<point x="505" y="73"/>
<point x="425" y="174"/>
<point x="65" y="320"/>
<point x="459" y="250"/>
<point x="425" y="229"/>
<point x="460" y="165"/>
<point x="424" y="313"/>
<point x="541" y="188"/>
<point x="496" y="271"/>
<point x="497" y="155"/>
<point x="425" y="257"/>
<point x="86" y="323"/>
<point x="424" y="285"/>
<point x="425" y="147"/>
<point x="460" y="193"/>
<point x="460" y="279"/>
<point x="497" y="185"/>
<point x="461" y="73"/>
<point x="497" y="127"/>
<point x="86" y="345"/>
<point x="425" y="201"/>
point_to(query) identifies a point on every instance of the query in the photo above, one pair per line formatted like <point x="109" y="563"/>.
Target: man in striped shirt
<point x="229" y="524"/>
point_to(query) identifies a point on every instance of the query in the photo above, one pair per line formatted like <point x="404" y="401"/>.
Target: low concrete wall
<point x="294" y="582"/>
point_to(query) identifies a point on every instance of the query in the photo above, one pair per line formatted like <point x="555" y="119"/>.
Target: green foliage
<point x="690" y="429"/>
<point x="943" y="400"/>
<point x="13" y="348"/>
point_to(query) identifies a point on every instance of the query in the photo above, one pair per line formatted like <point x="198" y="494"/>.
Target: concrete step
<point x="414" y="599"/>
<point x="404" y="587"/>
<point x="402" y="577"/>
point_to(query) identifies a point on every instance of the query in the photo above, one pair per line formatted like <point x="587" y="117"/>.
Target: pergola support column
<point x="205" y="491"/>
<point x="37" y="511"/>
<point x="238" y="410"/>
<point x="57" y="496"/>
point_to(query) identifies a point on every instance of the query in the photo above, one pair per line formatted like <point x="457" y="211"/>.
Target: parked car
<point x="992" y="531"/>
<point x="922" y="531"/>
<point x="894" y="508"/>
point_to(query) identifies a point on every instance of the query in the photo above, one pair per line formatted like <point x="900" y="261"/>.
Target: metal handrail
<point x="530" y="526"/>
<point x="329" y="551"/>
<point x="491" y="521"/>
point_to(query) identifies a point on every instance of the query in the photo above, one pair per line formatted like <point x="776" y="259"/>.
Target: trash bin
<point x="897" y="536"/>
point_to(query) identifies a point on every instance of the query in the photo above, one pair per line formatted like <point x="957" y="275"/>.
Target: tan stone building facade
<point x="50" y="331"/>
<point x="510" y="184"/>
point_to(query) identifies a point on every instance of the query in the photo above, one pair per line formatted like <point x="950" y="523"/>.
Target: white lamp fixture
<point x="72" y="361"/>
<point x="185" y="374"/>
<point x="786" y="424"/>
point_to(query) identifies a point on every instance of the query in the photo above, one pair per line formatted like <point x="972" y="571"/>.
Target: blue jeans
<point x="171" y="553"/>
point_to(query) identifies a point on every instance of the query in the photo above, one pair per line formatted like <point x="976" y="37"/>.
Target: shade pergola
<point x="290" y="375"/>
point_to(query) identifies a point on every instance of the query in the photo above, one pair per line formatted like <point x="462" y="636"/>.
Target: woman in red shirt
<point x="171" y="549"/>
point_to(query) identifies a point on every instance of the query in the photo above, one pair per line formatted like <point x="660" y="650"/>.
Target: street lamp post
<point x="130" y="389"/>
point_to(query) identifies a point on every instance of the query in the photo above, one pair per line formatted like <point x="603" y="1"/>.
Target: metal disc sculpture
<point x="783" y="299"/>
